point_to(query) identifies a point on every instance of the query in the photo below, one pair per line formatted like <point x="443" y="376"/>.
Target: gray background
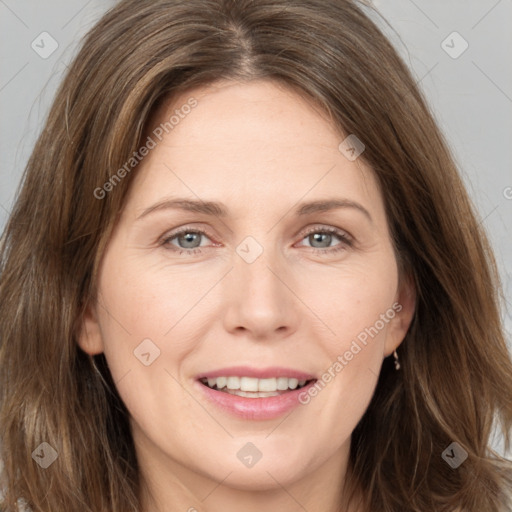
<point x="470" y="95"/>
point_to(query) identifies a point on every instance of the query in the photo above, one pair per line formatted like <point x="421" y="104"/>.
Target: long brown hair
<point x="456" y="377"/>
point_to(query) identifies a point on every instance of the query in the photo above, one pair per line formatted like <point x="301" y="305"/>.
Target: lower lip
<point x="255" y="408"/>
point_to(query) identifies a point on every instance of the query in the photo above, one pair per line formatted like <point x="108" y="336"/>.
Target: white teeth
<point x="282" y="383"/>
<point x="293" y="383"/>
<point x="267" y="384"/>
<point x="233" y="383"/>
<point x="253" y="385"/>
<point x="248" y="384"/>
<point x="250" y="394"/>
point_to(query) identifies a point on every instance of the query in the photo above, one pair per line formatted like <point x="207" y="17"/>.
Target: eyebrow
<point x="217" y="209"/>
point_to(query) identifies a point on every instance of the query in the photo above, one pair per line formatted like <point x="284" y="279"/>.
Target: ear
<point x="89" y="333"/>
<point x="404" y="308"/>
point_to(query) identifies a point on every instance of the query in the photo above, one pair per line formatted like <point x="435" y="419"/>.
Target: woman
<point x="243" y="273"/>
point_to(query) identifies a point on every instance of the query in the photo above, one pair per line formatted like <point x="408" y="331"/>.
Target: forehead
<point x="246" y="114"/>
<point x="256" y="142"/>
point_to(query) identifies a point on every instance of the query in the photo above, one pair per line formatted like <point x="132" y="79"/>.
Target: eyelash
<point x="346" y="240"/>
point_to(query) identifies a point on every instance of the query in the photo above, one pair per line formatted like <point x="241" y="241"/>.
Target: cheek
<point x="355" y="303"/>
<point x="357" y="306"/>
<point x="141" y="315"/>
<point x="144" y="343"/>
<point x="142" y="301"/>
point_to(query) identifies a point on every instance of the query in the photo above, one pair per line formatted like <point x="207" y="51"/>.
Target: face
<point x="284" y="276"/>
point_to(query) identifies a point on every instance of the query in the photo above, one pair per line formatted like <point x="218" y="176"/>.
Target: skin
<point x="259" y="148"/>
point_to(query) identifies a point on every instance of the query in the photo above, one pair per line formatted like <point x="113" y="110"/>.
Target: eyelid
<point x="329" y="229"/>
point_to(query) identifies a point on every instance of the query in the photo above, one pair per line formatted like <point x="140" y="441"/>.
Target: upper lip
<point x="259" y="373"/>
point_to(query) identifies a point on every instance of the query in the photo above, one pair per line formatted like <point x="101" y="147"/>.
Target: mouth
<point x="252" y="387"/>
<point x="253" y="394"/>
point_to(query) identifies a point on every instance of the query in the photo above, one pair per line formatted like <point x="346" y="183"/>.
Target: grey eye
<point x="190" y="240"/>
<point x="322" y="238"/>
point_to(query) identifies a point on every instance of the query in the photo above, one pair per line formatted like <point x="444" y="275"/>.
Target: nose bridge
<point x="255" y="259"/>
<point x="259" y="299"/>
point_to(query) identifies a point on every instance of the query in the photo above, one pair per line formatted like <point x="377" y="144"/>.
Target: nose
<point x="260" y="301"/>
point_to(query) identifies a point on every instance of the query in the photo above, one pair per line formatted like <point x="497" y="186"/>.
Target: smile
<point x="254" y="394"/>
<point x="251" y="387"/>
